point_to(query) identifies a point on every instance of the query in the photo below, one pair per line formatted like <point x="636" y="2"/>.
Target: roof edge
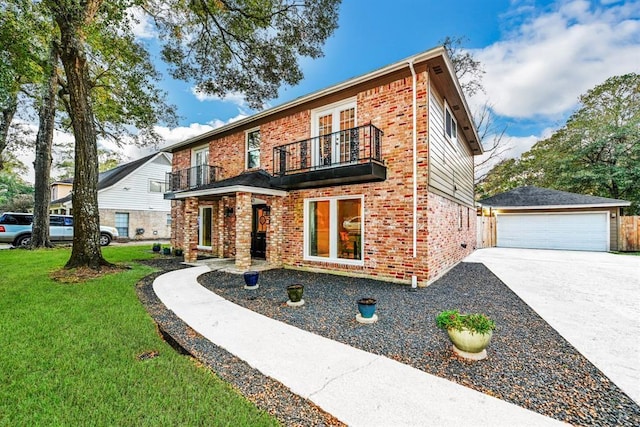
<point x="542" y="207"/>
<point x="416" y="59"/>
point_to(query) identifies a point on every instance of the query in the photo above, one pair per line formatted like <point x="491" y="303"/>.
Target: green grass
<point x="68" y="353"/>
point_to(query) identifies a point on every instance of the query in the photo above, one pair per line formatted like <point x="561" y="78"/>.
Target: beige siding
<point x="450" y="162"/>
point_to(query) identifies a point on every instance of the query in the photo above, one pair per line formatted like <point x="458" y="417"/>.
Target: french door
<point x="332" y="144"/>
<point x="200" y="169"/>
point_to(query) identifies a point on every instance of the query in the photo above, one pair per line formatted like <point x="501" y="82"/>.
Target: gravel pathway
<point x="529" y="363"/>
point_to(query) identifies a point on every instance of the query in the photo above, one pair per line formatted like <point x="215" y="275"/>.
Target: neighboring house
<point x="540" y="218"/>
<point x="61" y="189"/>
<point x="131" y="198"/>
<point x="370" y="177"/>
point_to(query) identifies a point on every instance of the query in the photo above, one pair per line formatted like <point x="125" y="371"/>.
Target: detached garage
<point x="540" y="218"/>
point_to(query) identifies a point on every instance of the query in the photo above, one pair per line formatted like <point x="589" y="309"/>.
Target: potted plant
<point x="251" y="279"/>
<point x="295" y="292"/>
<point x="177" y="252"/>
<point x="156" y="247"/>
<point x="166" y="251"/>
<point x="367" y="310"/>
<point x="469" y="333"/>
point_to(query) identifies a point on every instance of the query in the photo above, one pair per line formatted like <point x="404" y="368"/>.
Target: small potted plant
<point x="469" y="333"/>
<point x="367" y="310"/>
<point x="156" y="247"/>
<point x="166" y="251"/>
<point x="295" y="292"/>
<point x="177" y="252"/>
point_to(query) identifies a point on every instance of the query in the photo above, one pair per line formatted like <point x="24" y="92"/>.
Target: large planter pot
<point x="251" y="279"/>
<point x="470" y="345"/>
<point x="367" y="310"/>
<point x="177" y="252"/>
<point x="166" y="251"/>
<point x="295" y="292"/>
<point x="156" y="247"/>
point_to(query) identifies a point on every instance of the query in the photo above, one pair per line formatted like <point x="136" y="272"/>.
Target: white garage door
<point x="583" y="232"/>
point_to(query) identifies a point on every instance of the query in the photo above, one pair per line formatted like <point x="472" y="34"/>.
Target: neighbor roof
<point x="436" y="58"/>
<point x="108" y="178"/>
<point x="544" y="198"/>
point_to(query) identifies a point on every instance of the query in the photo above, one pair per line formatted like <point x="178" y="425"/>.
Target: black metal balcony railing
<point x="351" y="146"/>
<point x="193" y="177"/>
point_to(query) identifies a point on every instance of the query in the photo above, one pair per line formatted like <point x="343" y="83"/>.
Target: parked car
<point x="15" y="228"/>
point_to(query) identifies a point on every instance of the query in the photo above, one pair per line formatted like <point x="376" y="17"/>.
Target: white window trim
<point x="196" y="150"/>
<point x="333" y="235"/>
<point x="326" y="109"/>
<point x="200" y="209"/>
<point x="246" y="147"/>
<point x="162" y="186"/>
<point x="454" y="126"/>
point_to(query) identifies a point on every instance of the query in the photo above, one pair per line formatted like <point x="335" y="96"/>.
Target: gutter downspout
<point x="414" y="278"/>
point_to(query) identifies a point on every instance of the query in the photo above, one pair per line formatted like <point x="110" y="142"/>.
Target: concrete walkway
<point x="591" y="298"/>
<point x="357" y="387"/>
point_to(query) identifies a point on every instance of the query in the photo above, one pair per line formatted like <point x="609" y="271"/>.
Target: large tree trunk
<point x="86" y="225"/>
<point x="42" y="163"/>
<point x="5" y="123"/>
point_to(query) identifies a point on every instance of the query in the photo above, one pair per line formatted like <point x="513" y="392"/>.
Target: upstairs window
<point x="450" y="125"/>
<point x="156" y="186"/>
<point x="253" y="148"/>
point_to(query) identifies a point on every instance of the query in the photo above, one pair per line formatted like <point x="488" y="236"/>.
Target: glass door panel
<point x="319" y="223"/>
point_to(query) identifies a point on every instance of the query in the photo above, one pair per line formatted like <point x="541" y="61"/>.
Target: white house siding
<point x="450" y="163"/>
<point x="147" y="210"/>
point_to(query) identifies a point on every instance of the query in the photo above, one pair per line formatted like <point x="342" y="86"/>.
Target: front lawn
<point x="69" y="353"/>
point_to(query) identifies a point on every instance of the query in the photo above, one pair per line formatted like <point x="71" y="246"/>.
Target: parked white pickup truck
<point x="15" y="228"/>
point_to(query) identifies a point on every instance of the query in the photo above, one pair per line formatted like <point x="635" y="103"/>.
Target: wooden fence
<point x="629" y="235"/>
<point x="486" y="232"/>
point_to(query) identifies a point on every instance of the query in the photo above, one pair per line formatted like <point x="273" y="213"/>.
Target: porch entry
<point x="260" y="222"/>
<point x="332" y="144"/>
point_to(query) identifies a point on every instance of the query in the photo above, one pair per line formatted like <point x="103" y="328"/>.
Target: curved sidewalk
<point x="357" y="387"/>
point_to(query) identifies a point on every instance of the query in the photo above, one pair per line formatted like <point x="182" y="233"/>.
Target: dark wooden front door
<point x="260" y="222"/>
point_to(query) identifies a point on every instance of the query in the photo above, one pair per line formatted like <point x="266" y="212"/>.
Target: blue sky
<point x="539" y="56"/>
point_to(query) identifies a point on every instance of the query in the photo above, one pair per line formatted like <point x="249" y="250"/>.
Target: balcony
<point x="346" y="157"/>
<point x="192" y="178"/>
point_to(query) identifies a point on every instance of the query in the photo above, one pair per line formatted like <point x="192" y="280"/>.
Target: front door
<point x="260" y="221"/>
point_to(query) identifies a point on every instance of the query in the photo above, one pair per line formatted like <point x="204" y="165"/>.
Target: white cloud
<point x="542" y="67"/>
<point x="233" y="97"/>
<point x="142" y="26"/>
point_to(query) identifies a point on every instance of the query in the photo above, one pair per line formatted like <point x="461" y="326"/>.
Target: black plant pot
<point x="156" y="248"/>
<point x="177" y="252"/>
<point x="166" y="251"/>
<point x="295" y="292"/>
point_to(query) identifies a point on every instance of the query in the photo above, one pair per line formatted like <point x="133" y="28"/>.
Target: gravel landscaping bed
<point x="528" y="363"/>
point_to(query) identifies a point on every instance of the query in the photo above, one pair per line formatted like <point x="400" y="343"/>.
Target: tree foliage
<point x="246" y="46"/>
<point x="597" y="152"/>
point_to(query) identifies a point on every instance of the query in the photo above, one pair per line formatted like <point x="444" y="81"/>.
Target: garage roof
<point x="531" y="197"/>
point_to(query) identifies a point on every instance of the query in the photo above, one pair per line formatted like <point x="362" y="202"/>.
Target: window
<point x="122" y="223"/>
<point x="204" y="227"/>
<point x="332" y="142"/>
<point x="460" y="218"/>
<point x="156" y="186"/>
<point x="200" y="167"/>
<point x="334" y="230"/>
<point x="253" y="149"/>
<point x="450" y="125"/>
<point x="169" y="219"/>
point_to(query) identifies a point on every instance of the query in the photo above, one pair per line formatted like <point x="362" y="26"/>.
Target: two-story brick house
<point x="372" y="177"/>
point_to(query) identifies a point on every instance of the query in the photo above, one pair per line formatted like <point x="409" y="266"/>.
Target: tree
<point x="469" y="72"/>
<point x="251" y="46"/>
<point x="597" y="152"/>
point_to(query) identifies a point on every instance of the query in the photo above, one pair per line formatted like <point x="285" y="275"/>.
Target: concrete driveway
<point x="591" y="298"/>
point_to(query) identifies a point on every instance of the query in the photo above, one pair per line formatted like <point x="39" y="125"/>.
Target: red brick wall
<point x="388" y="206"/>
<point x="445" y="237"/>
